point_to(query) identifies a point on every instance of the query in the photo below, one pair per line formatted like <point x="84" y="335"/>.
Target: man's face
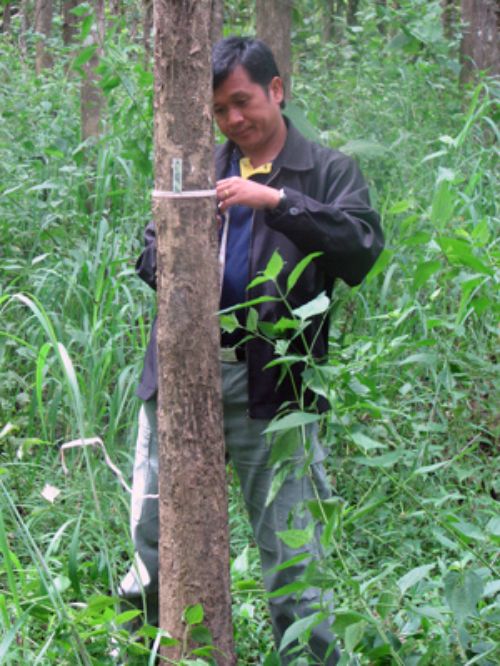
<point x="246" y="113"/>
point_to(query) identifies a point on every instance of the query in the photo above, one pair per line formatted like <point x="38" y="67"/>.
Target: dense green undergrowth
<point x="411" y="538"/>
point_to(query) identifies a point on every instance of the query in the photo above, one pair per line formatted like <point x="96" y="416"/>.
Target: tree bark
<point x="70" y="21"/>
<point x="194" y="550"/>
<point x="43" y="26"/>
<point x="479" y="48"/>
<point x="147" y="31"/>
<point x="6" y="19"/>
<point x="91" y="97"/>
<point x="273" y="21"/>
<point x="352" y="8"/>
<point x="380" y="9"/>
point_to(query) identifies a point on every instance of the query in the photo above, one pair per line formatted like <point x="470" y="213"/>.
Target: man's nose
<point x="234" y="116"/>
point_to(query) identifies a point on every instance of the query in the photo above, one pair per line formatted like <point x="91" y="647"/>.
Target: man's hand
<point x="236" y="190"/>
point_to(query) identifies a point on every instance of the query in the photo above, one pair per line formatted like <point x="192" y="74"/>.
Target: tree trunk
<point x="273" y="20"/>
<point x="25" y="26"/>
<point x="217" y="20"/>
<point x="328" y="19"/>
<point x="479" y="48"/>
<point x="91" y="97"/>
<point x="6" y="19"/>
<point x="380" y="9"/>
<point x="43" y="26"/>
<point x="194" y="550"/>
<point x="147" y="31"/>
<point x="352" y="8"/>
<point x="70" y="21"/>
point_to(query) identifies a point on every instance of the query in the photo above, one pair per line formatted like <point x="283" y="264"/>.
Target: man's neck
<point x="271" y="150"/>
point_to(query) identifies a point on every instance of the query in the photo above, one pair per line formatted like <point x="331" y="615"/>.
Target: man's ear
<point x="276" y="89"/>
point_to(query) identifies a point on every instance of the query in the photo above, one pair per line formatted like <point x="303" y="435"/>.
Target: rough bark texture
<point x="6" y="19"/>
<point x="479" y="48"/>
<point x="91" y="97"/>
<point x="194" y="549"/>
<point x="352" y="8"/>
<point x="43" y="26"/>
<point x="147" y="23"/>
<point x="273" y="22"/>
<point x="70" y="21"/>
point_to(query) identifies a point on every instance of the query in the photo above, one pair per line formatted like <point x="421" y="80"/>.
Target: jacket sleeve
<point x="340" y="222"/>
<point x="145" y="266"/>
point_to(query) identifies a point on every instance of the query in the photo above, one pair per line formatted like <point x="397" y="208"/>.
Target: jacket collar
<point x="296" y="154"/>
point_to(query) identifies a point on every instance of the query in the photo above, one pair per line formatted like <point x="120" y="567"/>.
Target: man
<point x="276" y="191"/>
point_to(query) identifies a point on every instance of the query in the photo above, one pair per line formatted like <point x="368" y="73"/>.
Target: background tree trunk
<point x="194" y="549"/>
<point x="43" y="26"/>
<point x="352" y="8"/>
<point x="328" y="19"/>
<point x="91" y="97"/>
<point x="380" y="8"/>
<point x="147" y="31"/>
<point x="6" y="19"/>
<point x="70" y="21"/>
<point x="273" y="20"/>
<point x="217" y="20"/>
<point x="25" y="26"/>
<point x="449" y="17"/>
<point x="479" y="48"/>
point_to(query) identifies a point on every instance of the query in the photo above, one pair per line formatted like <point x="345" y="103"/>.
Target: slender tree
<point x="91" y="97"/>
<point x="6" y="18"/>
<point x="70" y="21"/>
<point x="352" y="8"/>
<point x="479" y="47"/>
<point x="273" y="20"/>
<point x="43" y="26"/>
<point x="194" y="551"/>
<point x="147" y="30"/>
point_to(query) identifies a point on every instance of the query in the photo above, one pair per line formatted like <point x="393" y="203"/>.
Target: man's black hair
<point x="252" y="54"/>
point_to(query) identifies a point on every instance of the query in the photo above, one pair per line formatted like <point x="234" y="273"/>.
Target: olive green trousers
<point x="249" y="450"/>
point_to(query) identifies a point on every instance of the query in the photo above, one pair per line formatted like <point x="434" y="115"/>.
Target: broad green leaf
<point x="285" y="444"/>
<point x="274" y="266"/>
<point x="299" y="269"/>
<point x="293" y="420"/>
<point x="229" y="322"/>
<point x="315" y="307"/>
<point x="414" y="576"/>
<point x="353" y="634"/>
<point x="363" y="148"/>
<point x="84" y="56"/>
<point x="493" y="529"/>
<point x="462" y="592"/>
<point x="400" y="207"/>
<point x="194" y="614"/>
<point x="442" y="205"/>
<point x="344" y="619"/>
<point x="297" y="538"/>
<point x="365" y="442"/>
<point x="300" y="628"/>
<point x="291" y="562"/>
<point x="424" y="271"/>
<point x="459" y="252"/>
<point x="384" y="259"/>
<point x="252" y="320"/>
<point x="387" y="460"/>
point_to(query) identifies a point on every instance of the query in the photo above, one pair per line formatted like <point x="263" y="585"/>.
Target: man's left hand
<point x="238" y="191"/>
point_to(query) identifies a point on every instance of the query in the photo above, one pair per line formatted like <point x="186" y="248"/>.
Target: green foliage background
<point x="411" y="539"/>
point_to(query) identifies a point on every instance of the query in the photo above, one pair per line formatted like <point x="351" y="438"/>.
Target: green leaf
<point x="274" y="266"/>
<point x="252" y="320"/>
<point x="413" y="577"/>
<point x="353" y="634"/>
<point x="299" y="269"/>
<point x="424" y="271"/>
<point x="284" y="446"/>
<point x="193" y="614"/>
<point x="293" y="420"/>
<point x="84" y="56"/>
<point x="462" y="592"/>
<point x="365" y="442"/>
<point x="229" y="322"/>
<point x="315" y="307"/>
<point x="299" y="119"/>
<point x="363" y="148"/>
<point x="300" y="628"/>
<point x="383" y="260"/>
<point x="387" y="460"/>
<point x="345" y="618"/>
<point x="297" y="538"/>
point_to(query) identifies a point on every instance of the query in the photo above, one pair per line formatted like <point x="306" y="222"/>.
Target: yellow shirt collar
<point x="247" y="170"/>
